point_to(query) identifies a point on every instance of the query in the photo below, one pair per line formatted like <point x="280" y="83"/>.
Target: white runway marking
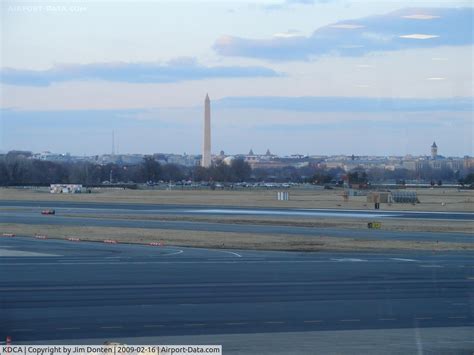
<point x="434" y="266"/>
<point x="231" y="252"/>
<point x="402" y="259"/>
<point x="19" y="253"/>
<point x="292" y="213"/>
<point x="175" y="253"/>
<point x="348" y="259"/>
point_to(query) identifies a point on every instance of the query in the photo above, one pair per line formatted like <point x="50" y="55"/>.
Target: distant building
<point x="65" y="188"/>
<point x="434" y="151"/>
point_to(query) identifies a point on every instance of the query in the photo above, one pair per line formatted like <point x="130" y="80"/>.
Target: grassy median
<point x="229" y="240"/>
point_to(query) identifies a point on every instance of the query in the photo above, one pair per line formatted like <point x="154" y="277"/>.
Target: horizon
<point x="215" y="154"/>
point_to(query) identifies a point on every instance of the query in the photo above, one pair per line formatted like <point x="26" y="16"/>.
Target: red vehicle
<point x="49" y="211"/>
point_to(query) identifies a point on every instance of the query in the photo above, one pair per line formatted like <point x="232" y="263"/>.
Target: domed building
<point x="228" y="160"/>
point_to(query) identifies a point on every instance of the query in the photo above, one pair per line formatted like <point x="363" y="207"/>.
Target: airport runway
<point x="82" y="214"/>
<point x="54" y="291"/>
<point x="131" y="208"/>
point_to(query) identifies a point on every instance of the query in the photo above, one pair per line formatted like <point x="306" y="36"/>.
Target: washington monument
<point x="206" y="148"/>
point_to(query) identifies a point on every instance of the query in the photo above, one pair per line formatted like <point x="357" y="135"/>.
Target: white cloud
<point x="419" y="36"/>
<point x="286" y="34"/>
<point x="421" y="17"/>
<point x="347" y="26"/>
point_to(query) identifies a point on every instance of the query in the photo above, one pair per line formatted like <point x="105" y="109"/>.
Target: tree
<point x="171" y="172"/>
<point x="357" y="177"/>
<point x="240" y="170"/>
<point x="151" y="169"/>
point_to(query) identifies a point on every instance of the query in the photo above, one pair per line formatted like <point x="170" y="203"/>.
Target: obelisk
<point x="206" y="149"/>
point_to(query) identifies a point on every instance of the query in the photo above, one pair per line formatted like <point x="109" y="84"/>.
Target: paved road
<point x="58" y="290"/>
<point x="131" y="208"/>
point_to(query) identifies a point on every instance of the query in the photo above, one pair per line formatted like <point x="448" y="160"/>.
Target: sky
<point x="293" y="76"/>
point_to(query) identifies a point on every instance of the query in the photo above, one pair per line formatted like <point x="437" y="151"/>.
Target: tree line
<point x="19" y="168"/>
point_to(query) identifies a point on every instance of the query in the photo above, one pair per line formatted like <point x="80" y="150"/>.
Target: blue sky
<point x="311" y="77"/>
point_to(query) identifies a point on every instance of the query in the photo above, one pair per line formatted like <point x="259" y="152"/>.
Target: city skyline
<point x="391" y="78"/>
<point x="431" y="153"/>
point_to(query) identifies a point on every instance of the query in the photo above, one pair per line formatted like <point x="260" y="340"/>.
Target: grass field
<point x="438" y="199"/>
<point x="229" y="240"/>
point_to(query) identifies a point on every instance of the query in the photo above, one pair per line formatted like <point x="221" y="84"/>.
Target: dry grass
<point x="431" y="199"/>
<point x="229" y="240"/>
<point x="392" y="224"/>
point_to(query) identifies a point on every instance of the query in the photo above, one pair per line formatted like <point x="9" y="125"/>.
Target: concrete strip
<point x="20" y="253"/>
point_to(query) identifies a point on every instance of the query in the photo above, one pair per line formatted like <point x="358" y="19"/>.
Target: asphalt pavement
<point x="59" y="291"/>
<point x="131" y="208"/>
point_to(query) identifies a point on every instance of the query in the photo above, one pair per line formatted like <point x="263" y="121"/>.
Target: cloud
<point x="176" y="70"/>
<point x="346" y="104"/>
<point x="402" y="29"/>
<point x="419" y="36"/>
<point x="290" y="3"/>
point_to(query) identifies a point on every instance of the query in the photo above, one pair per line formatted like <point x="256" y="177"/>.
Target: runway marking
<point x="304" y="212"/>
<point x="68" y="328"/>
<point x="434" y="266"/>
<point x="402" y="259"/>
<point x="20" y="253"/>
<point x="349" y="320"/>
<point x="423" y="318"/>
<point x="274" y="322"/>
<point x="312" y="321"/>
<point x="458" y="317"/>
<point x="231" y="252"/>
<point x="153" y="326"/>
<point x="195" y="324"/>
<point x="112" y="327"/>
<point x="235" y="323"/>
<point x="176" y="253"/>
<point x="348" y="259"/>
